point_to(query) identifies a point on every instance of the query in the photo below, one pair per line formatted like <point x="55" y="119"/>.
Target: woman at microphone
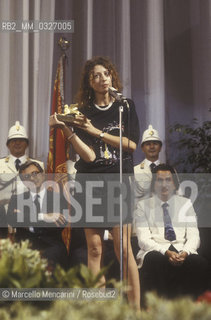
<point x="96" y="139"/>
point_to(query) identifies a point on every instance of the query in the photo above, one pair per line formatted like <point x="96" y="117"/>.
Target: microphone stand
<point x="120" y="197"/>
<point x="121" y="187"/>
<point x="119" y="97"/>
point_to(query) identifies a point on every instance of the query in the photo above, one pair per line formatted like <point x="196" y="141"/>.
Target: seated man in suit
<point x="17" y="143"/>
<point x="168" y="238"/>
<point x="39" y="214"/>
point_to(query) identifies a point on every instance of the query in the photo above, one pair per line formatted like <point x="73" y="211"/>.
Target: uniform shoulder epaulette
<point x="142" y="165"/>
<point x="6" y="159"/>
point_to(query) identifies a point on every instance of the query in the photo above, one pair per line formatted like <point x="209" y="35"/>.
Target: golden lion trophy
<point x="69" y="113"/>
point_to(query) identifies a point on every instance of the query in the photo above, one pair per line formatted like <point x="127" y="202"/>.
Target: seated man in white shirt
<point x="168" y="238"/>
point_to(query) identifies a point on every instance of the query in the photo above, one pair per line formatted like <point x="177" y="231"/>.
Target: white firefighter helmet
<point x="150" y="135"/>
<point x="17" y="132"/>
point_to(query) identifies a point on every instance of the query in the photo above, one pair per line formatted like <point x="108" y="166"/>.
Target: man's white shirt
<point x="150" y="226"/>
<point x="41" y="196"/>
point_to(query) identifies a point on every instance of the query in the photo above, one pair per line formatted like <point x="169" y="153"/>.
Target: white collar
<point x="170" y="201"/>
<point x="41" y="194"/>
<point x="22" y="159"/>
<point x="157" y="162"/>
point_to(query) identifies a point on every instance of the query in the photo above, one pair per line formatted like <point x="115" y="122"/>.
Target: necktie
<point x="37" y="203"/>
<point x="17" y="164"/>
<point x="37" y="230"/>
<point x="169" y="233"/>
<point x="152" y="166"/>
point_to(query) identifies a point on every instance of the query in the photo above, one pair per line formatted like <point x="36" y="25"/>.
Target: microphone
<point x="118" y="96"/>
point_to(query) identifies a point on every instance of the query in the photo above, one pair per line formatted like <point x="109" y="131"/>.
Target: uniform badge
<point x="151" y="133"/>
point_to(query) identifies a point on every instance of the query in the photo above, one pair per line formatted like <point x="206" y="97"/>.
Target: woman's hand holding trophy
<point x="71" y="117"/>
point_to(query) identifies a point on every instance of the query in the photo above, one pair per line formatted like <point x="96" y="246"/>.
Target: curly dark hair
<point x="86" y="95"/>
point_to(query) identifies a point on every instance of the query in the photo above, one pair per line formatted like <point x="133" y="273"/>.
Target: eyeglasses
<point x="98" y="75"/>
<point x="25" y="177"/>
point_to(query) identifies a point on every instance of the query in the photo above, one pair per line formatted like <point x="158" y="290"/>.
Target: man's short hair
<point x="164" y="167"/>
<point x="29" y="163"/>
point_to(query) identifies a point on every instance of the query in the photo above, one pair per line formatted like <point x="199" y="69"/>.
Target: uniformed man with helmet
<point x="17" y="143"/>
<point x="151" y="145"/>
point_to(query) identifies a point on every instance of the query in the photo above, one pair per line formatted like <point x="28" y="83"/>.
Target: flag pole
<point x="57" y="155"/>
<point x="64" y="45"/>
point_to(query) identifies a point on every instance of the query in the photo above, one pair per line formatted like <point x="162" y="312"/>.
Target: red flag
<point x="57" y="147"/>
<point x="58" y="150"/>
